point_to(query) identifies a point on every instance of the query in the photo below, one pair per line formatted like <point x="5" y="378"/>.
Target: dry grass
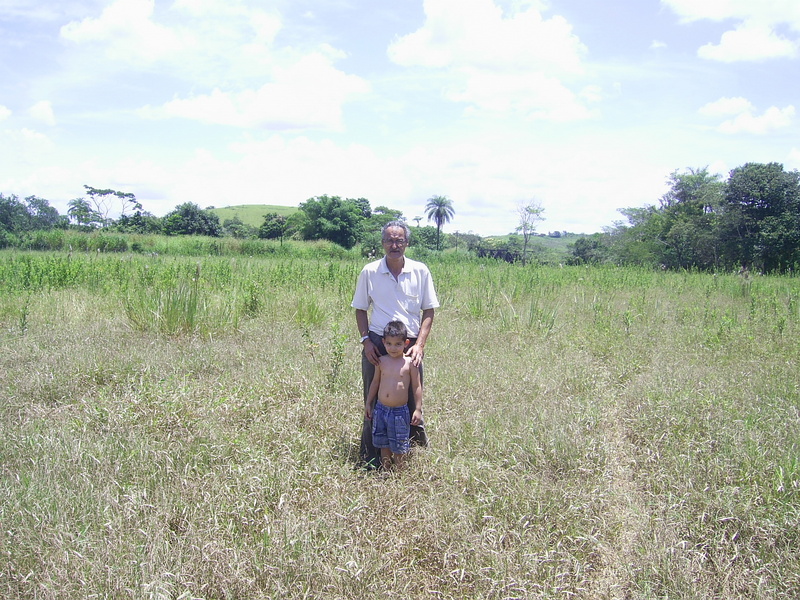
<point x="595" y="434"/>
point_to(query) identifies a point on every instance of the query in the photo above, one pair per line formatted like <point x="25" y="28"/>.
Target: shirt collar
<point x="406" y="266"/>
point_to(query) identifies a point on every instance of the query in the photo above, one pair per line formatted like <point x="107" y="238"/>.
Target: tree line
<point x="344" y="221"/>
<point x="751" y="222"/>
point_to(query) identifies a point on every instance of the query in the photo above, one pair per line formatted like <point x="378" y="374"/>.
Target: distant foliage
<point x="334" y="219"/>
<point x="30" y="214"/>
<point x="751" y="221"/>
<point x="190" y="219"/>
<point x="273" y="228"/>
<point x="236" y="228"/>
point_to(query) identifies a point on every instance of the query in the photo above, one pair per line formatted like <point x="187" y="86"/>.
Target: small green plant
<point x="183" y="309"/>
<point x="338" y="346"/>
<point x="308" y="312"/>
<point x="23" y="315"/>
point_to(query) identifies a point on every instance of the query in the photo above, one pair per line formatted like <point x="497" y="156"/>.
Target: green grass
<point x="252" y="214"/>
<point x="595" y="433"/>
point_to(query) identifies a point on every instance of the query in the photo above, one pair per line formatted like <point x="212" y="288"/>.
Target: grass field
<point x="177" y="427"/>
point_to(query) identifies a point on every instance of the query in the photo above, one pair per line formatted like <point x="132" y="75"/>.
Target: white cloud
<point x="535" y="95"/>
<point x="749" y="41"/>
<point x="727" y="106"/>
<point x="227" y="40"/>
<point x="127" y="30"/>
<point x="4" y="112"/>
<point x="772" y="120"/>
<point x="744" y="119"/>
<point x="20" y="150"/>
<point x="477" y="34"/>
<point x="292" y="101"/>
<point x="774" y="11"/>
<point x="514" y="62"/>
<point x="43" y="111"/>
<point x="755" y="36"/>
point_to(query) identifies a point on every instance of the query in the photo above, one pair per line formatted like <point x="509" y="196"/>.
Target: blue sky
<point x="583" y="106"/>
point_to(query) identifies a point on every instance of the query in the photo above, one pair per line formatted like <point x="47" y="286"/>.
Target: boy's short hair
<point x="395" y="329"/>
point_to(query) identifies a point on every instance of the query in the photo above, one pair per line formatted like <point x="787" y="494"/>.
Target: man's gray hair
<point x="401" y="224"/>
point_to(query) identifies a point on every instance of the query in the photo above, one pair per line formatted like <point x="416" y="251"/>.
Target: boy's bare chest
<point x="397" y="369"/>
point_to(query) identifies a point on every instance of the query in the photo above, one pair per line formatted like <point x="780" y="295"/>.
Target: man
<point x="396" y="288"/>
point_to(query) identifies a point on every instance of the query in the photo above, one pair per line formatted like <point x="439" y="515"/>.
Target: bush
<point x="8" y="240"/>
<point x="52" y="239"/>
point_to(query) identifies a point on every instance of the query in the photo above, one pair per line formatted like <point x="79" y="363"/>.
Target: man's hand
<point x="371" y="352"/>
<point x="416" y="354"/>
<point x="368" y="410"/>
<point x="416" y="418"/>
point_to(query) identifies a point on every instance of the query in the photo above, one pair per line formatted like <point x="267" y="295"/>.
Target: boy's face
<point x="395" y="345"/>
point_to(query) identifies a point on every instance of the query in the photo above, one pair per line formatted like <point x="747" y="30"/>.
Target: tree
<point x="82" y="212"/>
<point x="274" y="226"/>
<point x="13" y="215"/>
<point x="103" y="202"/>
<point x="334" y="219"/>
<point x="238" y="229"/>
<point x="471" y="240"/>
<point x="761" y="222"/>
<point x="41" y="214"/>
<point x="530" y="215"/>
<point x="425" y="237"/>
<point x="690" y="211"/>
<point x="678" y="234"/>
<point x="637" y="243"/>
<point x="32" y="214"/>
<point x="591" y="249"/>
<point x="190" y="219"/>
<point x="371" y="228"/>
<point x="439" y="209"/>
<point x="141" y="222"/>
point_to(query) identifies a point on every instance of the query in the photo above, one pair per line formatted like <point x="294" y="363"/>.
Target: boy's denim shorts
<point x="391" y="428"/>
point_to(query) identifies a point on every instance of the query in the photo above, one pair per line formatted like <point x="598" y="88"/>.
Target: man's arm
<point x="417" y="351"/>
<point x="370" y="350"/>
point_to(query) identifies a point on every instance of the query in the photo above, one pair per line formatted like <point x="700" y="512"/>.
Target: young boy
<point x="391" y="421"/>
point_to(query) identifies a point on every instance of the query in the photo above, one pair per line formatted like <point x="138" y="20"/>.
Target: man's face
<point x="394" y="242"/>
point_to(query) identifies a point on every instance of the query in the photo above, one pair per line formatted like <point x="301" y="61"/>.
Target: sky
<point x="583" y="107"/>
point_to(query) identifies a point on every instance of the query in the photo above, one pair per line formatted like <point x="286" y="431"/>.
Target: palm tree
<point x="439" y="209"/>
<point x="81" y="211"/>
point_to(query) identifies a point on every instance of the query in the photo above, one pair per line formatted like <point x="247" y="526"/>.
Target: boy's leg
<point x="399" y="430"/>
<point x="400" y="460"/>
<point x="386" y="459"/>
<point x="381" y="436"/>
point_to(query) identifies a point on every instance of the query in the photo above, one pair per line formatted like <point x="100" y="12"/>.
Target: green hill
<point x="252" y="214"/>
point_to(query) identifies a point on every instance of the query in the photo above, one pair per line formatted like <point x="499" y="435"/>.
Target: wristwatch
<point x="366" y="337"/>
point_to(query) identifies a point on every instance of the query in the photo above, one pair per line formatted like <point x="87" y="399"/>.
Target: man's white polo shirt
<point x="402" y="299"/>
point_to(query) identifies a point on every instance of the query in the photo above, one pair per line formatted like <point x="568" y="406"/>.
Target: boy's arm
<point x="416" y="385"/>
<point x="372" y="394"/>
